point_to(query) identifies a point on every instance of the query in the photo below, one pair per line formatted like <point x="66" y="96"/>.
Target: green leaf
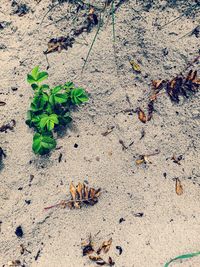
<point x="60" y="98"/>
<point x="69" y="85"/>
<point x="30" y="79"/>
<point x="34" y="72"/>
<point x="39" y="101"/>
<point x="44" y="86"/>
<point x="78" y="96"/>
<point x="56" y="89"/>
<point x="48" y="122"/>
<point x="43" y="143"/>
<point x="42" y="76"/>
<point x="34" y="86"/>
<point x="184" y="256"/>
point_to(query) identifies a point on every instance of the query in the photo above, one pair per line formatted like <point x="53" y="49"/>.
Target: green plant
<point x="50" y="109"/>
<point x="184" y="256"/>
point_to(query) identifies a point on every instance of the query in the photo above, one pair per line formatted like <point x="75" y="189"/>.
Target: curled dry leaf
<point x="2" y="103"/>
<point x="135" y="66"/>
<point x="179" y="187"/>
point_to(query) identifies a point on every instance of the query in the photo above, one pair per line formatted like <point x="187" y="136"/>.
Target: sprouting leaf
<point x="135" y="66"/>
<point x="181" y="257"/>
<point x="43" y="143"/>
<point x="36" y="76"/>
<point x="179" y="187"/>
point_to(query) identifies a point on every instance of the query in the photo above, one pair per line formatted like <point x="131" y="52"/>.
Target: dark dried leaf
<point x="2" y="103"/>
<point x="105" y="246"/>
<point x="58" y="44"/>
<point x="8" y="126"/>
<point x="87" y="247"/>
<point x="119" y="249"/>
<point x="110" y="261"/>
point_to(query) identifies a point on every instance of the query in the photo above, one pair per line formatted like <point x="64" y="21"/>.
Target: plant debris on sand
<point x="81" y="195"/>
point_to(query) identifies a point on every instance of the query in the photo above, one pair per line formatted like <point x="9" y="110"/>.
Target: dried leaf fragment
<point x="157" y="83"/>
<point x="179" y="187"/>
<point x="87" y="247"/>
<point x="97" y="259"/>
<point x="58" y="44"/>
<point x="14" y="263"/>
<point x="110" y="261"/>
<point x="72" y="190"/>
<point x="141" y="115"/>
<point x="135" y="66"/>
<point x="105" y="247"/>
<point x="8" y="126"/>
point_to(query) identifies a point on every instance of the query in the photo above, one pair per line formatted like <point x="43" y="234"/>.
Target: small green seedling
<point x="50" y="109"/>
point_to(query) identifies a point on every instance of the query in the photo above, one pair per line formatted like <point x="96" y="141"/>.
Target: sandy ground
<point x="170" y="224"/>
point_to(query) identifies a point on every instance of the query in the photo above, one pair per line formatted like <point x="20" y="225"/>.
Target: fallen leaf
<point x="119" y="249"/>
<point x="110" y="261"/>
<point x="72" y="190"/>
<point x="105" y="246"/>
<point x="58" y="44"/>
<point x="87" y="247"/>
<point x="2" y="103"/>
<point x="97" y="259"/>
<point x="135" y="66"/>
<point x="80" y="188"/>
<point x="8" y="126"/>
<point x="179" y="187"/>
<point x="157" y="83"/>
<point x="141" y="115"/>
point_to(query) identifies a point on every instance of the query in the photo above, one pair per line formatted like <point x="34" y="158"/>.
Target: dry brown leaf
<point x="179" y="187"/>
<point x="135" y="66"/>
<point x="105" y="246"/>
<point x="73" y="191"/>
<point x="139" y="161"/>
<point x="142" y="116"/>
<point x="157" y="83"/>
<point x="80" y="188"/>
<point x="97" y="259"/>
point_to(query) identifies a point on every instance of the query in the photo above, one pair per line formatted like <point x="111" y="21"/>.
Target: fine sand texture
<point x="168" y="224"/>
